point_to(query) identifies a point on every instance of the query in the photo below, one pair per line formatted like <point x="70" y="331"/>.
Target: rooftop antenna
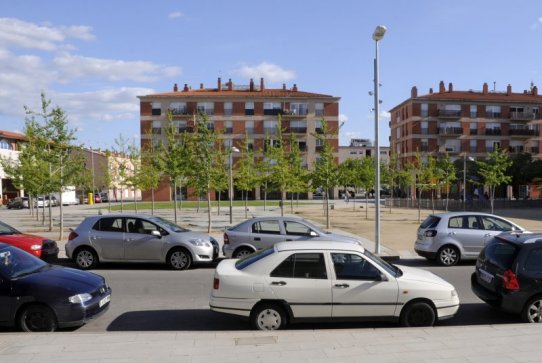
<point x="494" y="86"/>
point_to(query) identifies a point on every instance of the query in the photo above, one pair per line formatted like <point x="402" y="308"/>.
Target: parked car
<point x="97" y="198"/>
<point x="104" y="197"/>
<point x="507" y="274"/>
<point x="39" y="297"/>
<point x="41" y="247"/>
<point x="451" y="237"/>
<point x="307" y="280"/>
<point x="18" y="203"/>
<point x="138" y="238"/>
<point x="41" y="202"/>
<point x="259" y="233"/>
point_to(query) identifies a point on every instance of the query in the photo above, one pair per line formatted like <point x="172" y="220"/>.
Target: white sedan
<point x="303" y="281"/>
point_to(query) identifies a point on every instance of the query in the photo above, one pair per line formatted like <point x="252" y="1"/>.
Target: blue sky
<point x="93" y="58"/>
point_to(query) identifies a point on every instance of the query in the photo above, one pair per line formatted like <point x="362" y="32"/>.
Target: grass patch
<point x="129" y="206"/>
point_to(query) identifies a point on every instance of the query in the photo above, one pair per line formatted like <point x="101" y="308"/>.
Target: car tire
<point x="448" y="255"/>
<point x="268" y="317"/>
<point x="532" y="312"/>
<point x="242" y="252"/>
<point x="179" y="259"/>
<point x="418" y="314"/>
<point x="37" y="318"/>
<point x="85" y="258"/>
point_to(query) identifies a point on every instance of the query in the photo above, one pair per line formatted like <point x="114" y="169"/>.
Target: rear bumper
<point x="427" y="254"/>
<point x="241" y="307"/>
<point x="509" y="301"/>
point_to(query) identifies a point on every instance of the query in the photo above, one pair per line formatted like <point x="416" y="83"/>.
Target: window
<point x="318" y="127"/>
<point x="156" y="127"/>
<point x="464" y="222"/>
<point x="250" y="259"/>
<point x="473" y="128"/>
<point x="136" y="225"/>
<point x="156" y="109"/>
<point x="267" y="227"/>
<point x="298" y="126"/>
<point x="353" y="267"/>
<point x="207" y="108"/>
<point x="318" y="109"/>
<point x="473" y="111"/>
<point x="299" y="109"/>
<point x="534" y="260"/>
<point x="272" y="108"/>
<point x="501" y="254"/>
<point x="424" y="145"/>
<point x="210" y="125"/>
<point x="250" y="144"/>
<point x="4" y="144"/>
<point x="181" y="125"/>
<point x="494" y="224"/>
<point x="493" y="111"/>
<point x="249" y="108"/>
<point x="424" y="127"/>
<point x="302" y="265"/>
<point x="320" y="142"/>
<point x="473" y="145"/>
<point x="228" y="127"/>
<point x="178" y="108"/>
<point x="270" y="126"/>
<point x="296" y="229"/>
<point x="424" y="110"/>
<point x="108" y="225"/>
<point x="249" y="127"/>
<point x="228" y="108"/>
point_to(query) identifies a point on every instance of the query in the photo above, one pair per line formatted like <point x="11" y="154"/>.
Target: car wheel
<point x="179" y="259"/>
<point x="448" y="256"/>
<point x="532" y="312"/>
<point x="86" y="258"/>
<point x="418" y="314"/>
<point x="268" y="317"/>
<point x="242" y="252"/>
<point x="37" y="318"/>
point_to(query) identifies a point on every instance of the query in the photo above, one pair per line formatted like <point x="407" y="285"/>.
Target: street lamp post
<point x="378" y="34"/>
<point x="233" y="149"/>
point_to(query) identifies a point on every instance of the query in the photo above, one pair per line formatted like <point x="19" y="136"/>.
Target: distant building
<point x="235" y="111"/>
<point x="361" y="148"/>
<point x="9" y="149"/>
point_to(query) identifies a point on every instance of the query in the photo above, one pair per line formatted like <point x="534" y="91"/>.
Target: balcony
<point x="228" y="112"/>
<point x="228" y="130"/>
<point x="318" y="112"/>
<point x="515" y="149"/>
<point x="272" y="112"/>
<point x="249" y="112"/>
<point x="249" y="130"/>
<point x="449" y="113"/>
<point x="535" y="150"/>
<point x="522" y="116"/>
<point x="295" y="113"/>
<point x="185" y="129"/>
<point x="156" y="131"/>
<point x="319" y="148"/>
<point x="522" y="132"/>
<point x="270" y="130"/>
<point x="178" y="111"/>
<point x="473" y="132"/>
<point x="450" y="131"/>
<point x="493" y="132"/>
<point x="297" y="130"/>
<point x="493" y="114"/>
<point x="206" y="111"/>
<point x="319" y="130"/>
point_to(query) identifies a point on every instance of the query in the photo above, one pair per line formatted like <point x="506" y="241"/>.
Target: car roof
<point x="317" y="245"/>
<point x="520" y="237"/>
<point x="124" y="215"/>
<point x="454" y="214"/>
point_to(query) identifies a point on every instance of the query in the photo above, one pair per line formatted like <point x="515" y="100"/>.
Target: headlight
<point x="35" y="247"/>
<point x="200" y="243"/>
<point x="80" y="298"/>
<point x="454" y="293"/>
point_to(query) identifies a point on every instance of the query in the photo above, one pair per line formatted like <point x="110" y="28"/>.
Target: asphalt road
<point x="154" y="298"/>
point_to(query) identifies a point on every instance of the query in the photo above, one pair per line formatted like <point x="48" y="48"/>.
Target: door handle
<point x="289" y="240"/>
<point x="342" y="286"/>
<point x="487" y="235"/>
<point x="257" y="239"/>
<point x="278" y="283"/>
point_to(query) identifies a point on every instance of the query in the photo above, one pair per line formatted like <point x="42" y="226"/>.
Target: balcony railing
<point x="207" y="111"/>
<point x="178" y="111"/>
<point x="535" y="150"/>
<point x="228" y="130"/>
<point x="516" y="149"/>
<point x="249" y="130"/>
<point x="522" y="115"/>
<point x="156" y="131"/>
<point x="493" y="115"/>
<point x="272" y="112"/>
<point x="493" y="131"/>
<point x="319" y="130"/>
<point x="228" y="112"/>
<point x="270" y="130"/>
<point x="473" y="132"/>
<point x="295" y="112"/>
<point x="186" y="129"/>
<point x="449" y="113"/>
<point x="249" y="112"/>
<point x="450" y="131"/>
<point x="298" y="130"/>
<point x="522" y="132"/>
<point x="318" y="112"/>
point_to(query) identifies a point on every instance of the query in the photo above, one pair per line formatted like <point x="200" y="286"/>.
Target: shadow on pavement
<point x="133" y="265"/>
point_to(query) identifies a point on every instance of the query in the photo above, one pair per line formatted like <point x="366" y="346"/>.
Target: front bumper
<point x="204" y="254"/>
<point x="71" y="315"/>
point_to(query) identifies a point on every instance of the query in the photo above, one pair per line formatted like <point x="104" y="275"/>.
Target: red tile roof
<point x="479" y="96"/>
<point x="12" y="135"/>
<point x="279" y="92"/>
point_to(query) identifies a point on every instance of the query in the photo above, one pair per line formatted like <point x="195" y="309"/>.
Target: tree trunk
<point x="327" y="208"/>
<point x="152" y="201"/>
<point x="121" y="200"/>
<point x="292" y="203"/>
<point x="419" y="206"/>
<point x="246" y="201"/>
<point x="61" y="234"/>
<point x="447" y="195"/>
<point x="50" y="212"/>
<point x="175" y="201"/>
<point x="208" y="211"/>
<point x="218" y="205"/>
<point x="433" y="200"/>
<point x="135" y="201"/>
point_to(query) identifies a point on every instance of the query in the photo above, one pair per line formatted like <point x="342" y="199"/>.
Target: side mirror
<point x="156" y="233"/>
<point x="382" y="277"/>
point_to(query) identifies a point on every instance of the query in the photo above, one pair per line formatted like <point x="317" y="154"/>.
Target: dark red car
<point x="43" y="248"/>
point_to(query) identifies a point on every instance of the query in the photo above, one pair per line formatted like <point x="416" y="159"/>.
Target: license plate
<point x="105" y="300"/>
<point x="485" y="276"/>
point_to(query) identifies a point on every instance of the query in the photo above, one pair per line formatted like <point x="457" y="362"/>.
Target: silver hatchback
<point x="450" y="237"/>
<point x="138" y="238"/>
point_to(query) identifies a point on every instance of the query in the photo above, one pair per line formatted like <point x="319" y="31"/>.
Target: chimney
<point x="284" y="86"/>
<point x="251" y="85"/>
<point x="485" y="89"/>
<point x="219" y="84"/>
<point x="535" y="91"/>
<point x="414" y="92"/>
<point x="185" y="89"/>
<point x="441" y="88"/>
<point x="294" y="88"/>
<point x="509" y="90"/>
<point x="201" y="86"/>
<point x="450" y="87"/>
<point x="431" y="90"/>
<point x="262" y="87"/>
<point x="230" y="85"/>
<point x="175" y="88"/>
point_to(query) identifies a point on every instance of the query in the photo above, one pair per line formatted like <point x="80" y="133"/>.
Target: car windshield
<point x="5" y="229"/>
<point x="392" y="269"/>
<point x="170" y="225"/>
<point x="250" y="259"/>
<point x="16" y="263"/>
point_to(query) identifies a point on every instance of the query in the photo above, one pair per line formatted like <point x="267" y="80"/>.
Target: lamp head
<point x="379" y="32"/>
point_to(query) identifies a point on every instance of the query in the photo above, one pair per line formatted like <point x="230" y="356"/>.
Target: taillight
<point x="216" y="283"/>
<point x="430" y="233"/>
<point x="72" y="235"/>
<point x="226" y="239"/>
<point x="510" y="281"/>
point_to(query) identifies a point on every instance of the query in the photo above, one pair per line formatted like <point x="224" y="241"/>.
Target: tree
<point x="299" y="181"/>
<point x="424" y="173"/>
<point x="448" y="174"/>
<point x="493" y="171"/>
<point x="324" y="173"/>
<point x="220" y="173"/>
<point x="366" y="174"/>
<point x="347" y="175"/>
<point x="245" y="177"/>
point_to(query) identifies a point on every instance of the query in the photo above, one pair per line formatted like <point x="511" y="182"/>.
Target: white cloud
<point x="271" y="72"/>
<point x="175" y="14"/>
<point x="74" y="66"/>
<point x="22" y="34"/>
<point x="536" y="24"/>
<point x="384" y="115"/>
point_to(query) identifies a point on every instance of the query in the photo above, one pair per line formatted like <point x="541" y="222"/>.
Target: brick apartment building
<point x="9" y="149"/>
<point x="238" y="110"/>
<point x="467" y="123"/>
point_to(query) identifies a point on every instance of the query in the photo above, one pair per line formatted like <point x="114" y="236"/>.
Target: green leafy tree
<point x="150" y="171"/>
<point x="279" y="167"/>
<point x="299" y="175"/>
<point x="220" y="172"/>
<point x="366" y="174"/>
<point x="448" y="174"/>
<point x="493" y="171"/>
<point x="348" y="175"/>
<point x="246" y="178"/>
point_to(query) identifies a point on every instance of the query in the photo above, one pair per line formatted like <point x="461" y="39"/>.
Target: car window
<point x="5" y="229"/>
<point x="495" y="224"/>
<point x="302" y="265"/>
<point x="534" y="260"/>
<point x="253" y="257"/>
<point x="430" y="222"/>
<point x="296" y="229"/>
<point x="137" y="225"/>
<point x="353" y="267"/>
<point x="109" y="224"/>
<point x="269" y="227"/>
<point x="501" y="254"/>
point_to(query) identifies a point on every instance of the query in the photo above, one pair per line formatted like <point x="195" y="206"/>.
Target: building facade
<point x="9" y="149"/>
<point x="235" y="111"/>
<point x="362" y="148"/>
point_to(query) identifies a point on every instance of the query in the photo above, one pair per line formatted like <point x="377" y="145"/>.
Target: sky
<point x="93" y="58"/>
